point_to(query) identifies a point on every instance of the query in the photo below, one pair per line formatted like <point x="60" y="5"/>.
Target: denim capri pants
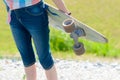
<point x="32" y="23"/>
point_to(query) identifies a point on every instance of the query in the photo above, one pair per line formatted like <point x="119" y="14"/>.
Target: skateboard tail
<point x="91" y="34"/>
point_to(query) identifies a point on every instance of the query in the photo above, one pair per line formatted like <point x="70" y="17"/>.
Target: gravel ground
<point x="11" y="69"/>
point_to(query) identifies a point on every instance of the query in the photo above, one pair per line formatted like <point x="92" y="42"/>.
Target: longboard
<point x="58" y="20"/>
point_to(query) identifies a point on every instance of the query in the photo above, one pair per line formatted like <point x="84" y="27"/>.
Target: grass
<point x="102" y="15"/>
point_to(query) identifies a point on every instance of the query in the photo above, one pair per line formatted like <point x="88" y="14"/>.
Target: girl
<point x="28" y="19"/>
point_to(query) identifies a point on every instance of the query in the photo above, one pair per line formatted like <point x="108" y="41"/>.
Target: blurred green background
<point x="102" y="15"/>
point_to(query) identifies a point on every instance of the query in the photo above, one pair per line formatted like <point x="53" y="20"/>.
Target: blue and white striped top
<point x="16" y="4"/>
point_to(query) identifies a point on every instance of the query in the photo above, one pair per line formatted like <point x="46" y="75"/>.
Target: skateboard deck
<point x="57" y="18"/>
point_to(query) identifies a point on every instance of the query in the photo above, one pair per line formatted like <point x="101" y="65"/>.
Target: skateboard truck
<point x="70" y="27"/>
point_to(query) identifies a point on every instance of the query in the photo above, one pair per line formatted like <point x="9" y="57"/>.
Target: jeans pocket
<point x="35" y="10"/>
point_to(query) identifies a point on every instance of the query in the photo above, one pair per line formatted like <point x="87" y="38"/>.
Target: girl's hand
<point x="61" y="6"/>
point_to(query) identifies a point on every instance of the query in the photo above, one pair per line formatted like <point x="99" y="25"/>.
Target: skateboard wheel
<point x="69" y="25"/>
<point x="79" y="50"/>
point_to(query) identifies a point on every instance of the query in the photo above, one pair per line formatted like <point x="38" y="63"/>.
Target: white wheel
<point x="69" y="25"/>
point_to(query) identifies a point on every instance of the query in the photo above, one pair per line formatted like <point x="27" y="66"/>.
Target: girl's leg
<point x="41" y="40"/>
<point x="23" y="42"/>
<point x="51" y="74"/>
<point x="30" y="72"/>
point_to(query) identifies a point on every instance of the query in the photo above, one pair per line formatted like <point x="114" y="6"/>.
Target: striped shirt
<point x="16" y="4"/>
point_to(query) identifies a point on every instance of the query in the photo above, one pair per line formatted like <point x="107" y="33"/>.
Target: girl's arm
<point x="61" y="6"/>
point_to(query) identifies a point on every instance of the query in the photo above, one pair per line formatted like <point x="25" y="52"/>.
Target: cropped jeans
<point x="32" y="23"/>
